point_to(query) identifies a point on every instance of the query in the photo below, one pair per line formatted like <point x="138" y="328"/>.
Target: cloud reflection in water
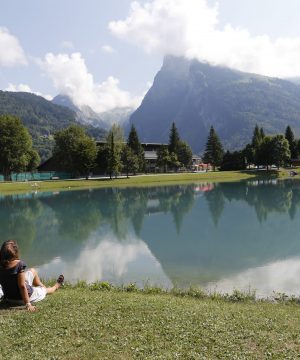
<point x="110" y="260"/>
<point x="281" y="275"/>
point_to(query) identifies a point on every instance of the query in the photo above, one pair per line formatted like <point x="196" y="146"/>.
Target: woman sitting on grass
<point x="21" y="286"/>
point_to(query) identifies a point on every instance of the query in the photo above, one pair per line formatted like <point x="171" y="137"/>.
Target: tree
<point x="258" y="135"/>
<point x="184" y="154"/>
<point x="257" y="138"/>
<point x="130" y="160"/>
<point x="280" y="150"/>
<point x="248" y="153"/>
<point x="135" y="145"/>
<point x="115" y="144"/>
<point x="174" y="163"/>
<point x="174" y="139"/>
<point x="163" y="157"/>
<point x="233" y="161"/>
<point x="15" y="146"/>
<point x="289" y="135"/>
<point x="113" y="161"/>
<point x="102" y="157"/>
<point x="214" y="150"/>
<point x="263" y="154"/>
<point x="74" y="150"/>
<point x="273" y="151"/>
<point x="33" y="160"/>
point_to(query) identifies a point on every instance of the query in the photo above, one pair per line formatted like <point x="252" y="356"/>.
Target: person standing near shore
<point x="21" y="286"/>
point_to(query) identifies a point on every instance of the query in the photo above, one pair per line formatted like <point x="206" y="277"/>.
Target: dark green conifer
<point x="136" y="147"/>
<point x="174" y="139"/>
<point x="214" y="150"/>
<point x="289" y="135"/>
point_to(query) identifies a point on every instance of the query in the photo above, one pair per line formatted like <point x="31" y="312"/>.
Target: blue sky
<point x="105" y="53"/>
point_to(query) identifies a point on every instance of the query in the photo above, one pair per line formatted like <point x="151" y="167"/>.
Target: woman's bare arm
<point x="24" y="293"/>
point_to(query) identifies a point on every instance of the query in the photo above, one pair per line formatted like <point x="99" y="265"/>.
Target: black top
<point x="9" y="281"/>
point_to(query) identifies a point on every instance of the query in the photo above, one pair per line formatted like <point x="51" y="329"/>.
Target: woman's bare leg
<point x="52" y="289"/>
<point x="36" y="279"/>
<point x="37" y="282"/>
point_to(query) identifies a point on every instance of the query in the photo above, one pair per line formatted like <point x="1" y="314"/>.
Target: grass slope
<point x="145" y="180"/>
<point x="77" y="323"/>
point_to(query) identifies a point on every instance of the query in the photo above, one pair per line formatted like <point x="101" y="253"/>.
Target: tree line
<point x="79" y="154"/>
<point x="264" y="150"/>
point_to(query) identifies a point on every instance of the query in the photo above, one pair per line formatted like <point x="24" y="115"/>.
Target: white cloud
<point x="108" y="49"/>
<point x="190" y="28"/>
<point x="11" y="52"/>
<point x="71" y="77"/>
<point x="25" y="88"/>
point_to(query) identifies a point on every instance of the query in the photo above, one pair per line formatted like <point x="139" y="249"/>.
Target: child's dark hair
<point x="9" y="251"/>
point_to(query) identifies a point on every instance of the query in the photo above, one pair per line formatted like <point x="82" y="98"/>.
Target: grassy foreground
<point x="144" y="180"/>
<point x="82" y="323"/>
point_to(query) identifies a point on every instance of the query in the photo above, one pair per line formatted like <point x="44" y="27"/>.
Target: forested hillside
<point x="41" y="117"/>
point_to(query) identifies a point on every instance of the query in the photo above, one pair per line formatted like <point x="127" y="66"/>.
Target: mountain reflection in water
<point x="224" y="236"/>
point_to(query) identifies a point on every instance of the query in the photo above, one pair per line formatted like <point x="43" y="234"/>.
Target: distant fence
<point x="38" y="176"/>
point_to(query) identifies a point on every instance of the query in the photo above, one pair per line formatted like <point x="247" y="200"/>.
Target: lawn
<point x="144" y="180"/>
<point x="79" y="323"/>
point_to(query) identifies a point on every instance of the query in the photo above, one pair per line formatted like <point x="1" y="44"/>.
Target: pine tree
<point x="257" y="137"/>
<point x="130" y="161"/>
<point x="113" y="163"/>
<point x="135" y="145"/>
<point x="174" y="140"/>
<point x="214" y="150"/>
<point x="289" y="135"/>
<point x="114" y="147"/>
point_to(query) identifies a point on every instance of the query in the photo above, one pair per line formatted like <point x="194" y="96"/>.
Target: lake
<point x="242" y="235"/>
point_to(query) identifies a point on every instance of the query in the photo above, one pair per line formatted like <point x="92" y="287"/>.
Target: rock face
<point x="197" y="95"/>
<point x="86" y="115"/>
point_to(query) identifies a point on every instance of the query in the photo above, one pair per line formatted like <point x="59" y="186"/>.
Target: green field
<point x="144" y="180"/>
<point x="82" y="323"/>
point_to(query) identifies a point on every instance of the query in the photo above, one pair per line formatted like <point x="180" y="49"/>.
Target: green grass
<point x="88" y="323"/>
<point x="147" y="180"/>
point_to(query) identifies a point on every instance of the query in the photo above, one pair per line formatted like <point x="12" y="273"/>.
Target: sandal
<point x="60" y="279"/>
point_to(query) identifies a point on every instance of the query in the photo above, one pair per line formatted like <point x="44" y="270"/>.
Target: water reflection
<point x="226" y="235"/>
<point x="114" y="261"/>
<point x="280" y="275"/>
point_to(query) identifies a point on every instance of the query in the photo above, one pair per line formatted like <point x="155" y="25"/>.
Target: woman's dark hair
<point x="9" y="251"/>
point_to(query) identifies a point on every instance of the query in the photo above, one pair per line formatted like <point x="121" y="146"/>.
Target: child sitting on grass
<point x="20" y="286"/>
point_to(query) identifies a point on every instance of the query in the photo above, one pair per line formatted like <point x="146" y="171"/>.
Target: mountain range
<point x="192" y="94"/>
<point x="86" y="115"/>
<point x="197" y="95"/>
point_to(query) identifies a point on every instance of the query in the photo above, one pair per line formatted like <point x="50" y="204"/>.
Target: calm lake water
<point x="217" y="236"/>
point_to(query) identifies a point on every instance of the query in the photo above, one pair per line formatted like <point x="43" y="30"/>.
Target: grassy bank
<point x="88" y="323"/>
<point x="146" y="180"/>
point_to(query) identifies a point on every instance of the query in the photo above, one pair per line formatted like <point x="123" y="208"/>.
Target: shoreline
<point x="196" y="292"/>
<point x="9" y="188"/>
<point x="193" y="292"/>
